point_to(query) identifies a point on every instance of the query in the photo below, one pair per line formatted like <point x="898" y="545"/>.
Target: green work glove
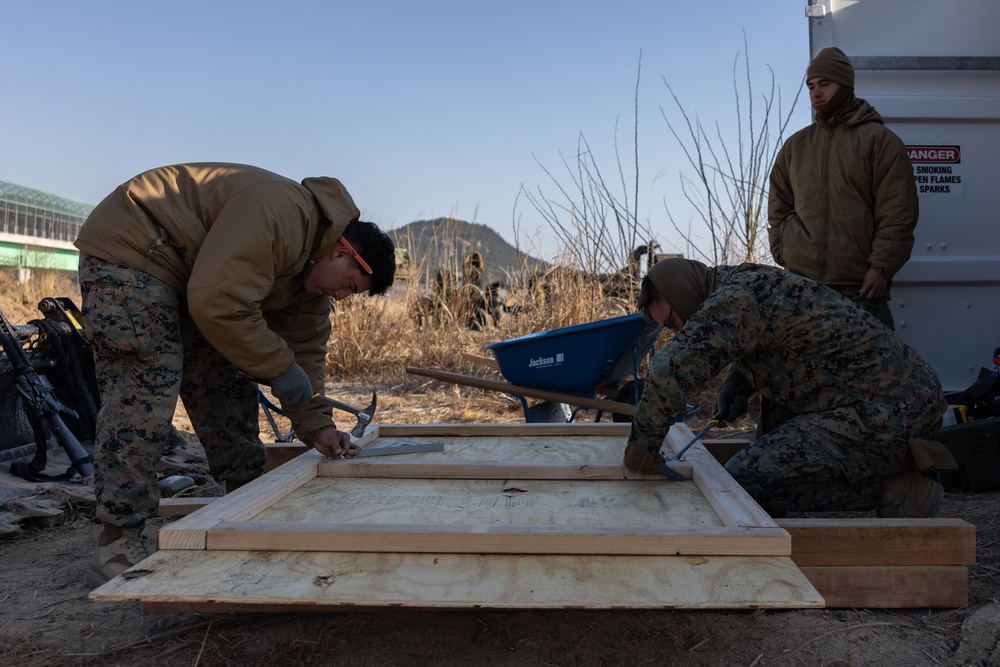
<point x="648" y="463"/>
<point x="293" y="386"/>
<point x="732" y="401"/>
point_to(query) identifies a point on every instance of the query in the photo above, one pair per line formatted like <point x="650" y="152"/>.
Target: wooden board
<point x="722" y="449"/>
<point x="892" y="587"/>
<point x="300" y="581"/>
<point x="506" y="516"/>
<point x="885" y="563"/>
<point x="881" y="541"/>
<point x="845" y="559"/>
<point x="853" y="563"/>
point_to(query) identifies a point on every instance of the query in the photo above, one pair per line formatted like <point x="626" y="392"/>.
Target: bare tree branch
<point x="729" y="189"/>
<point x="725" y="185"/>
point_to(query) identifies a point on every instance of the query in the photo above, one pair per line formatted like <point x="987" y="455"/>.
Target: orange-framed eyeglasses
<point x="357" y="256"/>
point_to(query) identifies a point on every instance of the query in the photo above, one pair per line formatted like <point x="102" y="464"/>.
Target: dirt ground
<point x="47" y="533"/>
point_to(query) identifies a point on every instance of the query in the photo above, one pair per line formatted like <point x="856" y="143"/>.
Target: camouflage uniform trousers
<point x="798" y="467"/>
<point x="773" y="415"/>
<point x="877" y="307"/>
<point x="149" y="352"/>
<point x="798" y="471"/>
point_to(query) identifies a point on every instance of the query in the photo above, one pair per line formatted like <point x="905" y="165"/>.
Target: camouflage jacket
<point x="802" y="345"/>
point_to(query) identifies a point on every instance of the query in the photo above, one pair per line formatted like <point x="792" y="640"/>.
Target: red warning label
<point x="935" y="154"/>
<point x="937" y="170"/>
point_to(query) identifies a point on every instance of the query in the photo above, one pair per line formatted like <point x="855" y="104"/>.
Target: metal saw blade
<point x="401" y="447"/>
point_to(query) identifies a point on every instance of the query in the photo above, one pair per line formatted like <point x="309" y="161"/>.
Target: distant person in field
<point x="864" y="405"/>
<point x="193" y="277"/>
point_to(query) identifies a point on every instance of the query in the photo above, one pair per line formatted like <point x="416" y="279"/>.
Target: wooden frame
<point x="629" y="541"/>
<point x="745" y="529"/>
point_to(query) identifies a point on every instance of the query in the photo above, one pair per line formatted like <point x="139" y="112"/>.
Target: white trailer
<point x="931" y="68"/>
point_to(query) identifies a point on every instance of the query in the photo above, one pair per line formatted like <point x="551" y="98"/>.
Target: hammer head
<point x="365" y="417"/>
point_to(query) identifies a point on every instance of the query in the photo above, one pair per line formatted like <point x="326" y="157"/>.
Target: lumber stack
<point x="852" y="563"/>
<point x="887" y="563"/>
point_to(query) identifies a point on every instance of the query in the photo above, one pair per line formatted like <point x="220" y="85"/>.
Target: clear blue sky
<point x="422" y="108"/>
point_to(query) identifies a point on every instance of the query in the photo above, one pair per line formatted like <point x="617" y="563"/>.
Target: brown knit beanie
<point x="832" y="64"/>
<point x="684" y="283"/>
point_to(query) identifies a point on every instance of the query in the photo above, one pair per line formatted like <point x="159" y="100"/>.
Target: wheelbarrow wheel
<point x="630" y="393"/>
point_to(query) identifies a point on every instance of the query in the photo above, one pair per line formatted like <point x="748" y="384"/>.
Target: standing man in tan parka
<point x="842" y="204"/>
<point x="194" y="276"/>
<point x="841" y="209"/>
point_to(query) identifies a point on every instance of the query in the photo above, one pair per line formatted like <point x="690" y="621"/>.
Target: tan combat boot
<point x="118" y="549"/>
<point x="910" y="495"/>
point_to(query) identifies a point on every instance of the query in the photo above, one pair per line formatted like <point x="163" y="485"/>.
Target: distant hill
<point x="445" y="242"/>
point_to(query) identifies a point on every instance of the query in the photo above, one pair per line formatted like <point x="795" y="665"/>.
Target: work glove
<point x="649" y="463"/>
<point x="293" y="386"/>
<point x="732" y="401"/>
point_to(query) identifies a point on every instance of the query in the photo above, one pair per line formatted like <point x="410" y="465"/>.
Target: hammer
<point x="364" y="416"/>
<point x="665" y="469"/>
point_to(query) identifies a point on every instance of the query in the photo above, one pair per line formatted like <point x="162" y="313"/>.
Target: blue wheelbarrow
<point x="570" y="366"/>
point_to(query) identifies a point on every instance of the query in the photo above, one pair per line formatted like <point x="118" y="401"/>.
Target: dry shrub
<point x="560" y="297"/>
<point x="19" y="298"/>
<point x="448" y="302"/>
<point x="376" y="339"/>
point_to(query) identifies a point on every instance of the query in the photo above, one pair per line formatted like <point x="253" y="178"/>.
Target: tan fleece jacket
<point x="236" y="241"/>
<point x="842" y="200"/>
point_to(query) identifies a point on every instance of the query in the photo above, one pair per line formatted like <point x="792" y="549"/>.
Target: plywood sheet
<point x="298" y="581"/>
<point x="503" y="502"/>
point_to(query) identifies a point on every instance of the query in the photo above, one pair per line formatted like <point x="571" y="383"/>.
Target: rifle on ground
<point x="43" y="410"/>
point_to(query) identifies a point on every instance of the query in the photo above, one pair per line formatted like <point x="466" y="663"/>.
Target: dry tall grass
<point x="19" y="298"/>
<point x="375" y="340"/>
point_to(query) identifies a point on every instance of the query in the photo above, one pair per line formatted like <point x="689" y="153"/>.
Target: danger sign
<point x="937" y="170"/>
<point x="935" y="154"/>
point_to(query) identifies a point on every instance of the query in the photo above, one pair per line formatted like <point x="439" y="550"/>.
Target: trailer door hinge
<point x="815" y="9"/>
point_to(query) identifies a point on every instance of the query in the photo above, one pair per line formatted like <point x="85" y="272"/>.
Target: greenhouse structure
<point x="37" y="229"/>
